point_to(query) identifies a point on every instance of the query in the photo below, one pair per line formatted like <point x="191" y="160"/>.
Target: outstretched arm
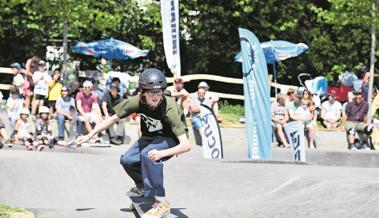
<point x="101" y="126"/>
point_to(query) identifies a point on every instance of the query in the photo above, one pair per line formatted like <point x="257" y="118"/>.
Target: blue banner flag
<point x="257" y="97"/>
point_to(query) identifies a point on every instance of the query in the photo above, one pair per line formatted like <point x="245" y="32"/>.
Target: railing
<point x="170" y="80"/>
<point x="4" y="70"/>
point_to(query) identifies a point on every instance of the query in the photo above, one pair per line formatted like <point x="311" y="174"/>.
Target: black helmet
<point x="152" y="79"/>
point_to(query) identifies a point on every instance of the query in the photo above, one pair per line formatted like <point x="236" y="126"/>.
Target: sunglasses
<point x="158" y="93"/>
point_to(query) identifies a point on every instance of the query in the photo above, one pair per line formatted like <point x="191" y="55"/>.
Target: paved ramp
<point x="91" y="183"/>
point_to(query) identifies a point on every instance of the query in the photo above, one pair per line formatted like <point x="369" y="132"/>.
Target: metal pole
<point x="372" y="59"/>
<point x="276" y="91"/>
<point x="65" y="50"/>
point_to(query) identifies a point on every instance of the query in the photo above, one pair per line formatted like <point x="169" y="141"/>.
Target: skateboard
<point x="72" y="128"/>
<point x="141" y="205"/>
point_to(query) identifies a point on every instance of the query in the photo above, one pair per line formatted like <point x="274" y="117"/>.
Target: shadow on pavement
<point x="177" y="212"/>
<point x="84" y="209"/>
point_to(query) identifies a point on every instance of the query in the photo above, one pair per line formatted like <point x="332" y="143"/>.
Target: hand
<point x="56" y="77"/>
<point x="85" y="118"/>
<point x="82" y="139"/>
<point x="155" y="155"/>
<point x="69" y="117"/>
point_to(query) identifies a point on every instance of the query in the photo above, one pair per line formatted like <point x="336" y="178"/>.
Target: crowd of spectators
<point x="38" y="96"/>
<point x="351" y="116"/>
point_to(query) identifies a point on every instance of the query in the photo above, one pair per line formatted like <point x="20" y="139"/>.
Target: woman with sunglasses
<point x="164" y="134"/>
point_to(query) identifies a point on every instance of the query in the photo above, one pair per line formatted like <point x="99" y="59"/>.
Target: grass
<point x="231" y="114"/>
<point x="7" y="211"/>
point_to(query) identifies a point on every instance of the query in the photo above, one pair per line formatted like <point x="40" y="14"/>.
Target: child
<point x="22" y="130"/>
<point x="14" y="106"/>
<point x="42" y="131"/>
<point x="55" y="86"/>
<point x="41" y="80"/>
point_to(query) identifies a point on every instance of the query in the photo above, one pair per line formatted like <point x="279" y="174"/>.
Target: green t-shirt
<point x="166" y="120"/>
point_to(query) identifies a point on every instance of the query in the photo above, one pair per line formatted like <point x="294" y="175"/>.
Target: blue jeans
<point x="145" y="172"/>
<point x="60" y="119"/>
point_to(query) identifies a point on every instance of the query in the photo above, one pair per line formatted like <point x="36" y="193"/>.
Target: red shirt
<point x="87" y="101"/>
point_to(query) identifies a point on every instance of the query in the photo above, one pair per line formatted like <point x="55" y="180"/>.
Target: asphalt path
<point x="89" y="182"/>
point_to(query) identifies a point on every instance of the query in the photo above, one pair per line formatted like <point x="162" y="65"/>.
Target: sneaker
<point x="159" y="210"/>
<point x="135" y="192"/>
<point x="40" y="147"/>
<point x="352" y="147"/>
<point x="365" y="147"/>
<point x="116" y="141"/>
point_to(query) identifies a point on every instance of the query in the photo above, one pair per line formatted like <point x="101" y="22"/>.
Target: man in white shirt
<point x="331" y="111"/>
<point x="41" y="89"/>
<point x="213" y="98"/>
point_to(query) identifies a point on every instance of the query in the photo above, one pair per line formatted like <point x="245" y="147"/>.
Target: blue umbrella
<point x="111" y="49"/>
<point x="278" y="50"/>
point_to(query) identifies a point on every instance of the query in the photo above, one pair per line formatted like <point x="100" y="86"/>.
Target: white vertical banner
<point x="170" y="29"/>
<point x="295" y="134"/>
<point x="211" y="142"/>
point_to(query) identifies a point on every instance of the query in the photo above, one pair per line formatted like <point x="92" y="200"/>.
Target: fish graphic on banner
<point x="257" y="97"/>
<point x="170" y="29"/>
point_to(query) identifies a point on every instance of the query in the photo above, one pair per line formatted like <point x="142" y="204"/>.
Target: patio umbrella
<point x="110" y="49"/>
<point x="278" y="50"/>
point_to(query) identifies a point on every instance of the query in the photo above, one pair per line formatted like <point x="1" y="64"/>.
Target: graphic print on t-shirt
<point x="152" y="124"/>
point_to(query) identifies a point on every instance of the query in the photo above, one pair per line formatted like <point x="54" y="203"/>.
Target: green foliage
<point x="337" y="32"/>
<point x="5" y="211"/>
<point x="226" y="108"/>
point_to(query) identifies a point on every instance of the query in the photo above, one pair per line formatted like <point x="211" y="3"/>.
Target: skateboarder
<point x="164" y="134"/>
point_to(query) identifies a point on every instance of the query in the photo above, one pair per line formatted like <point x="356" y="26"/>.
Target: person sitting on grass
<point x="88" y="109"/>
<point x="213" y="98"/>
<point x="331" y="111"/>
<point x="280" y="118"/>
<point x="62" y="107"/>
<point x="356" y="118"/>
<point x="42" y="131"/>
<point x="309" y="119"/>
<point x="194" y="106"/>
<point x="110" y="99"/>
<point x="22" y="130"/>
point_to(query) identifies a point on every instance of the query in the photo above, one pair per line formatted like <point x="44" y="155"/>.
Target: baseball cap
<point x="203" y="84"/>
<point x="65" y="88"/>
<point x="88" y="83"/>
<point x="332" y="92"/>
<point x="115" y="86"/>
<point x="179" y="80"/>
<point x="41" y="63"/>
<point x="16" y="65"/>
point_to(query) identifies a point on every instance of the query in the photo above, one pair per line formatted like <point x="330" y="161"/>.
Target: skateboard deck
<point x="141" y="205"/>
